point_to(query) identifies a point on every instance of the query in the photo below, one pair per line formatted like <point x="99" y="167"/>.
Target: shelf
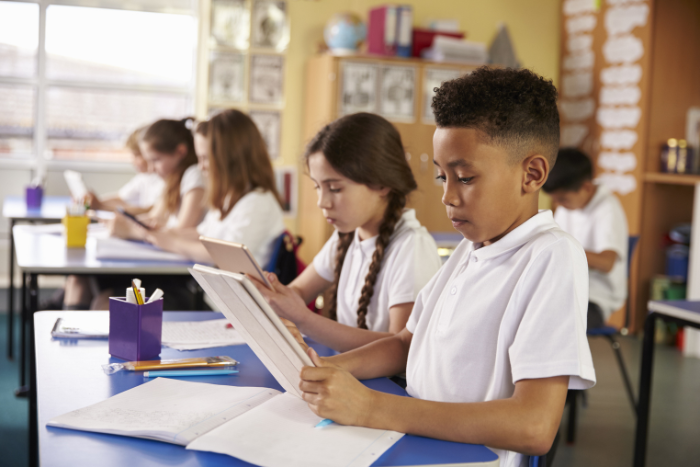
<point x="671" y="179"/>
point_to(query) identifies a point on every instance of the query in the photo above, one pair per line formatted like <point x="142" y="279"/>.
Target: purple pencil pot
<point x="135" y="330"/>
<point x="34" y="196"/>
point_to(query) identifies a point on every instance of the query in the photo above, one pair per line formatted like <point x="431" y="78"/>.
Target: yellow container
<point x="76" y="230"/>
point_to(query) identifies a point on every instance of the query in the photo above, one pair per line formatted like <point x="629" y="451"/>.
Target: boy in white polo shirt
<point x="594" y="217"/>
<point x="499" y="334"/>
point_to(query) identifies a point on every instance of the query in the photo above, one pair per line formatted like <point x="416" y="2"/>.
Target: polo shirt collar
<point x="540" y="222"/>
<point x="408" y="221"/>
<point x="601" y="192"/>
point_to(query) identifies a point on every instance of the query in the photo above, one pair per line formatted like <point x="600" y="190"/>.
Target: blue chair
<point x="610" y="333"/>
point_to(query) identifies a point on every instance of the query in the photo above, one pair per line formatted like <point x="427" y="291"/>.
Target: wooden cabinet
<point x="323" y="104"/>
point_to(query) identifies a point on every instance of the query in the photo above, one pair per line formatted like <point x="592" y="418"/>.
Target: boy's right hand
<point x="294" y="331"/>
<point x="332" y="392"/>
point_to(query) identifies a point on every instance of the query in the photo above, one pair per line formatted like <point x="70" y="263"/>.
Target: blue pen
<point x="155" y="374"/>
<point x="324" y="422"/>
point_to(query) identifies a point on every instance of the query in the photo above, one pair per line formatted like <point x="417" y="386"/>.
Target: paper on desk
<point x="165" y="409"/>
<point x="191" y="335"/>
<point x="117" y="248"/>
<point x="88" y="326"/>
<point x="287" y="423"/>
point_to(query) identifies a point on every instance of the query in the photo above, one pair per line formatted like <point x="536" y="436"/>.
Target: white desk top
<point x="52" y="208"/>
<point x="40" y="252"/>
<point x="683" y="309"/>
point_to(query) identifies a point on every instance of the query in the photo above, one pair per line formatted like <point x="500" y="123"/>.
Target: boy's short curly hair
<point x="515" y="109"/>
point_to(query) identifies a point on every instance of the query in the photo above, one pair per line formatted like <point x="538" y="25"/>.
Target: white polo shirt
<point x="410" y="260"/>
<point x="143" y="190"/>
<point x="600" y="226"/>
<point x="512" y="310"/>
<point x="193" y="178"/>
<point x="256" y="221"/>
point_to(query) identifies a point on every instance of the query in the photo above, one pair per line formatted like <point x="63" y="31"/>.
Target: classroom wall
<point x="534" y="26"/>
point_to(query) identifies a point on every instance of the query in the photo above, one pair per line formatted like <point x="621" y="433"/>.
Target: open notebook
<point x="258" y="425"/>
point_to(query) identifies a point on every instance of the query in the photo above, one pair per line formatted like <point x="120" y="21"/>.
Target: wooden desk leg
<point x="642" y="434"/>
<point x="33" y="412"/>
<point x="11" y="296"/>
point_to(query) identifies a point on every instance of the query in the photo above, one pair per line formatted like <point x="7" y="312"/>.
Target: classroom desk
<point x="14" y="208"/>
<point x="69" y="376"/>
<point x="40" y="253"/>
<point x="685" y="313"/>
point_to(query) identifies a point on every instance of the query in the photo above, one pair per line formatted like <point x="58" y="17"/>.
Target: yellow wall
<point x="534" y="26"/>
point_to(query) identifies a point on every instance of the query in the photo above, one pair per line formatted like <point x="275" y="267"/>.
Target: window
<point x="99" y="74"/>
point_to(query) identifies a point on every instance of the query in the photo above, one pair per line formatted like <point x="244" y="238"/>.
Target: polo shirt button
<point x="454" y="290"/>
<point x="476" y="260"/>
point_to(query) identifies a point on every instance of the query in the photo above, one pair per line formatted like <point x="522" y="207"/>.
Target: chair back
<point x="284" y="261"/>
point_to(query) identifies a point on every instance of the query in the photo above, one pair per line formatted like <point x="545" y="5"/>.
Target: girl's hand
<point x="334" y="393"/>
<point x="159" y="238"/>
<point x="90" y="199"/>
<point x="122" y="227"/>
<point x="284" y="300"/>
<point x="294" y="331"/>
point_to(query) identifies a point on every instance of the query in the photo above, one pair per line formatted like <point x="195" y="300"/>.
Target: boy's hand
<point x="284" y="300"/>
<point x="334" y="393"/>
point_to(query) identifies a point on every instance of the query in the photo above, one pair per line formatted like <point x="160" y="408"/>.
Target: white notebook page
<point x="281" y="433"/>
<point x="166" y="409"/>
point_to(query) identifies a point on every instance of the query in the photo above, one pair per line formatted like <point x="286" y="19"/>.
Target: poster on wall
<point x="226" y="77"/>
<point x="270" y="27"/>
<point x="266" y="79"/>
<point x="433" y="78"/>
<point x="358" y="91"/>
<point x="269" y="124"/>
<point x="230" y="24"/>
<point x="398" y="90"/>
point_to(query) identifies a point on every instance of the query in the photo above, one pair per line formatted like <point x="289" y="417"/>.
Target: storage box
<point x="423" y="38"/>
<point x="34" y="196"/>
<point x="135" y="331"/>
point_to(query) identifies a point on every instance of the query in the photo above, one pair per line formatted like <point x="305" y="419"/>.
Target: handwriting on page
<point x="185" y="335"/>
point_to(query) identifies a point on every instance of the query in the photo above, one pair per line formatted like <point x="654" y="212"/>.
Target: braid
<point x="392" y="215"/>
<point x="344" y="241"/>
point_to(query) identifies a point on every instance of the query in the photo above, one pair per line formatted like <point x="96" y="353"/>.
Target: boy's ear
<point x="535" y="172"/>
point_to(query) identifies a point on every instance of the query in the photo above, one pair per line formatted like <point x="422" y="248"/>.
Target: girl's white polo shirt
<point x="256" y="221"/>
<point x="512" y="310"/>
<point x="409" y="262"/>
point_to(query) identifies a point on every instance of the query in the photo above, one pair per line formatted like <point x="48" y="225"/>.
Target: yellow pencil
<point x="137" y="293"/>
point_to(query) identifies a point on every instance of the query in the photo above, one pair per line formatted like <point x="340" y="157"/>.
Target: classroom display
<point x="624" y="92"/>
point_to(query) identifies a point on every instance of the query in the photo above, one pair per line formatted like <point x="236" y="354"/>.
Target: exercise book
<point x="258" y="425"/>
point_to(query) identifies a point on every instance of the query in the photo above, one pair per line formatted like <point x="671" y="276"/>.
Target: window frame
<point x="37" y="159"/>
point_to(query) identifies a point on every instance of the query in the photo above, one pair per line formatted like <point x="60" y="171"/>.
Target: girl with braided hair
<point x="379" y="257"/>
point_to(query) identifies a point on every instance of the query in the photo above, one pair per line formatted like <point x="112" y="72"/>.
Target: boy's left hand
<point x="334" y="393"/>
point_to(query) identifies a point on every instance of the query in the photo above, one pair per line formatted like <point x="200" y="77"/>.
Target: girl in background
<point x="141" y="193"/>
<point x="168" y="145"/>
<point x="379" y="257"/>
<point x="244" y="205"/>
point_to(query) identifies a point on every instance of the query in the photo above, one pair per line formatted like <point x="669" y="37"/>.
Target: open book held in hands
<point x="257" y="323"/>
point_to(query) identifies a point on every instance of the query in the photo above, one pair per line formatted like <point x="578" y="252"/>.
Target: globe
<point x="343" y="33"/>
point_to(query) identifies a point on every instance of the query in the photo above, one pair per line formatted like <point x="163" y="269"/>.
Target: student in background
<point x="141" y="193"/>
<point x="168" y="145"/>
<point x="499" y="334"/>
<point x="244" y="205"/>
<point x="594" y="217"/>
<point x="379" y="256"/>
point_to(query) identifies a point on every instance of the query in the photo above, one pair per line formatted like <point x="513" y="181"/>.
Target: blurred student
<point x="379" y="256"/>
<point x="141" y="193"/>
<point x="168" y="145"/>
<point x="594" y="216"/>
<point x="244" y="205"/>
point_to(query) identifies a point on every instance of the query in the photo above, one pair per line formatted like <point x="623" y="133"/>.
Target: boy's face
<point x="483" y="190"/>
<point x="574" y="199"/>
